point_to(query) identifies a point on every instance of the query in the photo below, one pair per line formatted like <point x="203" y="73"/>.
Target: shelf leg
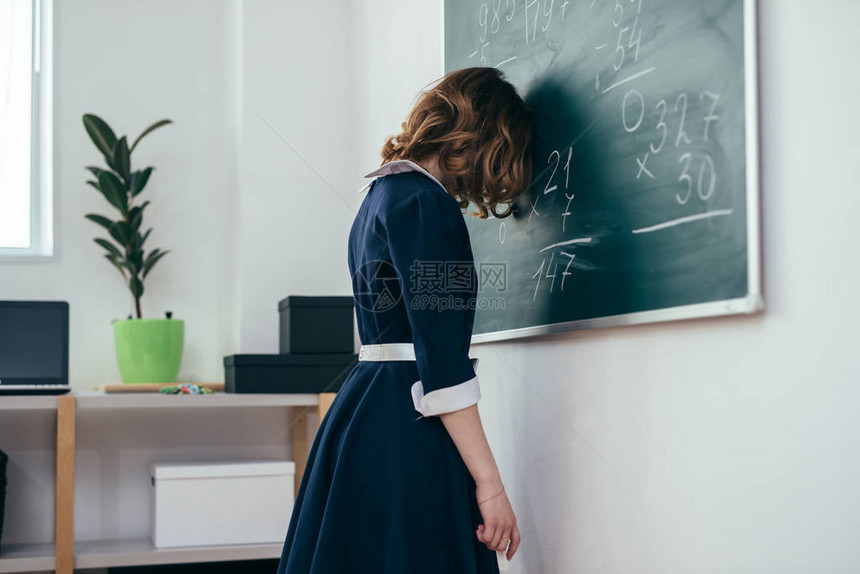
<point x="325" y="403"/>
<point x="300" y="436"/>
<point x="300" y="445"/>
<point x="64" y="537"/>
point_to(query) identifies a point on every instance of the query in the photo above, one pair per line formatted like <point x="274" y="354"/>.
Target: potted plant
<point x="148" y="350"/>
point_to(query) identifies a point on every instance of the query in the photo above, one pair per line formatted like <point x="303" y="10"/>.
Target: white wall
<point x="719" y="445"/>
<point x="135" y="63"/>
<point x="398" y="50"/>
<point x="298" y="184"/>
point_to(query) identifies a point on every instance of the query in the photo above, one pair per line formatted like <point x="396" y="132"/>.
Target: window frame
<point x="42" y="200"/>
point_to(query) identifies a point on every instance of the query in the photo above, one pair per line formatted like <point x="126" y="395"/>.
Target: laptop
<point x="34" y="348"/>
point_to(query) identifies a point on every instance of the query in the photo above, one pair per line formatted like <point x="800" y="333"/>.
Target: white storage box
<point x="221" y="503"/>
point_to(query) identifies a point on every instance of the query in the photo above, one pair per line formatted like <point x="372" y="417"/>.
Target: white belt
<point x="387" y="352"/>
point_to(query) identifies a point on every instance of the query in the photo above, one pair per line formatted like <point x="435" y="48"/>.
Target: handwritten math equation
<point x="667" y="119"/>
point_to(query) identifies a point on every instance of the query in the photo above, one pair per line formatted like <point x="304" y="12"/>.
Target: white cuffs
<point x="446" y="400"/>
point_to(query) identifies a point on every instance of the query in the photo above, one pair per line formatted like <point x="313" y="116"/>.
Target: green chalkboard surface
<point x="645" y="200"/>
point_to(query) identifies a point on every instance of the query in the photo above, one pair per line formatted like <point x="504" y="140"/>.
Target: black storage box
<point x="317" y="324"/>
<point x="287" y="373"/>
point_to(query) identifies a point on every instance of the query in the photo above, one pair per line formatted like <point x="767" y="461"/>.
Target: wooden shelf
<point x="62" y="555"/>
<point x="28" y="403"/>
<point x="141" y="552"/>
<point x="100" y="400"/>
<point x="27" y="557"/>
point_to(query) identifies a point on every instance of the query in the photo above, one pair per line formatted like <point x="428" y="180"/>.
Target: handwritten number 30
<point x="685" y="177"/>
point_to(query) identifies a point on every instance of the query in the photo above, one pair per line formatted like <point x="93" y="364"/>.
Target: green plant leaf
<point x="152" y="259"/>
<point x="119" y="231"/>
<point x="136" y="257"/>
<point x="101" y="134"/>
<point x="100" y="219"/>
<point x="152" y="254"/>
<point x="95" y="185"/>
<point x="121" y="158"/>
<point x="136" y="286"/>
<point x="132" y="268"/>
<point x="109" y="161"/>
<point x="144" y="237"/>
<point x="139" y="180"/>
<point x="135" y="215"/>
<point x="116" y="264"/>
<point x="109" y="246"/>
<point x="94" y="170"/>
<point x="113" y="190"/>
<point x="137" y="241"/>
<point x="149" y="130"/>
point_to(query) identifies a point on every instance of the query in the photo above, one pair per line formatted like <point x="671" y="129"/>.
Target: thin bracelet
<point x="492" y="497"/>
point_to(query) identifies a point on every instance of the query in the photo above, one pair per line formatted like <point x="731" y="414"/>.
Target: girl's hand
<point x="499" y="530"/>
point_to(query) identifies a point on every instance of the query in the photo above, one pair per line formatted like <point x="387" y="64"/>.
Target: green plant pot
<point x="149" y="350"/>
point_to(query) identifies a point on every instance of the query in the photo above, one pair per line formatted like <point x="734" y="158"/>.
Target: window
<point x="26" y="218"/>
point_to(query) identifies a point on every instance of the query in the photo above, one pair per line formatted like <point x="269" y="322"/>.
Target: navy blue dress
<point x="385" y="490"/>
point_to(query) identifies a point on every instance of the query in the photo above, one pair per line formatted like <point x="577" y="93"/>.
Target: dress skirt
<point x="384" y="493"/>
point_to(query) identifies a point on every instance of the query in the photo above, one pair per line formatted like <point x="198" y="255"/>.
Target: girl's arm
<point x="466" y="430"/>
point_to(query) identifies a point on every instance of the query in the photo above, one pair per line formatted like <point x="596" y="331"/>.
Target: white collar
<point x="399" y="166"/>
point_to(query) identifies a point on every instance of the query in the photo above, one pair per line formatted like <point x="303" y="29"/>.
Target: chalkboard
<point x="644" y="205"/>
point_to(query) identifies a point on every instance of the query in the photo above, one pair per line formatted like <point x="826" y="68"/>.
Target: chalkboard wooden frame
<point x="753" y="301"/>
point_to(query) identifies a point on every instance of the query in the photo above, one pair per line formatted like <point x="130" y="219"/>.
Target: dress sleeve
<point x="427" y="241"/>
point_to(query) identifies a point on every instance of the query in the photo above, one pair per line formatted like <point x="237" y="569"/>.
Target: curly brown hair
<point x="481" y="130"/>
